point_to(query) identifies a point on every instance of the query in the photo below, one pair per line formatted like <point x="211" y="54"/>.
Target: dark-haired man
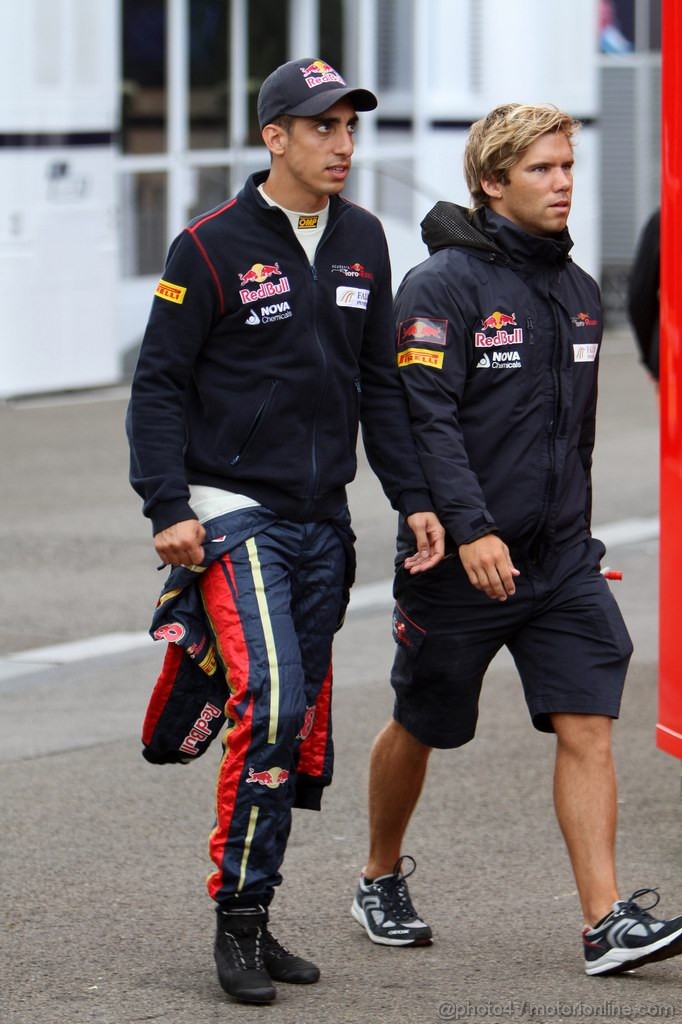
<point x="269" y="339"/>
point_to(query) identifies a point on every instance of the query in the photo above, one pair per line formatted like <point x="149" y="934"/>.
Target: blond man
<point x="498" y="341"/>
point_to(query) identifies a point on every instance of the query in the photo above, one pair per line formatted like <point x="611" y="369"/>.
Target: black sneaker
<point x="282" y="965"/>
<point x="239" y="955"/>
<point x="384" y="909"/>
<point x="629" y="936"/>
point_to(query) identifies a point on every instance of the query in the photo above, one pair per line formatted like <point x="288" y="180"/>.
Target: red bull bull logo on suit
<point x="259" y="274"/>
<point x="497" y="321"/>
<point x="270" y="777"/>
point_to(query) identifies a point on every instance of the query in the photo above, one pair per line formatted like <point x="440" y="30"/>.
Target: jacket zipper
<point x="255" y="423"/>
<point x="551" y="431"/>
<point x="314" y="469"/>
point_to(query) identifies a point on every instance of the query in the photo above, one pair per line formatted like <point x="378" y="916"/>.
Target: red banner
<point x="669" y="727"/>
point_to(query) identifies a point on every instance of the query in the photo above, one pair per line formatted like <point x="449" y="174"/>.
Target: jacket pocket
<point x="256" y="422"/>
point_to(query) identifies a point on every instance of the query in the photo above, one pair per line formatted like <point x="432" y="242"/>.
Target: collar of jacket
<point x="490" y="236"/>
<point x="250" y="193"/>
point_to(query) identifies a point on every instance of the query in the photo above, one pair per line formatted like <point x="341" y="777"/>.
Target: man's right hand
<point x="180" y="544"/>
<point x="489" y="567"/>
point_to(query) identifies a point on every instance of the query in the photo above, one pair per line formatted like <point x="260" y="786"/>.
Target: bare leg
<point x="585" y="798"/>
<point x="396" y="776"/>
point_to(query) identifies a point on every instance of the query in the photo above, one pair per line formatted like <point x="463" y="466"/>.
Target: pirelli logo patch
<point x="171" y="292"/>
<point x="421" y="355"/>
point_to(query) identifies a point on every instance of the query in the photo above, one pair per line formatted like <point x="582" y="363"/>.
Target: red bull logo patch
<point x="420" y="329"/>
<point x="425" y="356"/>
<point x="201" y="730"/>
<point x="320" y="72"/>
<point x="260" y="274"/>
<point x="270" y="777"/>
<point x="497" y="322"/>
<point x="170" y="292"/>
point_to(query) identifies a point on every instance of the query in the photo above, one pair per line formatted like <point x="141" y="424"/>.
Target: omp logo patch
<point x="308" y="223"/>
<point x="421" y="329"/>
<point x="170" y="292"/>
<point x="421" y="355"/>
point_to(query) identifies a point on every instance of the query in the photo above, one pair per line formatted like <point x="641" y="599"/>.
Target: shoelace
<point x="272" y="946"/>
<point x="245" y="944"/>
<point x="396" y="893"/>
<point x="629" y="906"/>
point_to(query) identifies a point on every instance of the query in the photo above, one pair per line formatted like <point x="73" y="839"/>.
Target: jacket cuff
<point x="308" y="792"/>
<point x="168" y="513"/>
<point x="410" y="502"/>
<point x="480" y="529"/>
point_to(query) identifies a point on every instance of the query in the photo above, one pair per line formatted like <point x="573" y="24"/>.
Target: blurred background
<point x="121" y="119"/>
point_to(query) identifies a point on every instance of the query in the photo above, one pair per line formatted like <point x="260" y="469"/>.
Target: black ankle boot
<point x="239" y="955"/>
<point x="282" y="965"/>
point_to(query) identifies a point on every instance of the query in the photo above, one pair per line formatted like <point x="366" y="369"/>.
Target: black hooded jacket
<point x="498" y="336"/>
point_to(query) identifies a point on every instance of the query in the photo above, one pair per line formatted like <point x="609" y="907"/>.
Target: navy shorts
<point x="563" y="628"/>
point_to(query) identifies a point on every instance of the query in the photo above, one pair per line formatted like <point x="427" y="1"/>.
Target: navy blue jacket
<point x="255" y="367"/>
<point x="498" y="336"/>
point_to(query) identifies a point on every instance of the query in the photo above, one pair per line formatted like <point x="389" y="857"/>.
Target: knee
<point x="396" y="738"/>
<point x="584" y="736"/>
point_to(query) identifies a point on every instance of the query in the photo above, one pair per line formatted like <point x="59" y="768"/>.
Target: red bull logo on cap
<point x="270" y="777"/>
<point x="420" y="329"/>
<point x="497" y="321"/>
<point x="320" y="72"/>
<point x="259" y="274"/>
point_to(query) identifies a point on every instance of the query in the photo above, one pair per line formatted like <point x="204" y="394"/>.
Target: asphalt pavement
<point x="104" y="915"/>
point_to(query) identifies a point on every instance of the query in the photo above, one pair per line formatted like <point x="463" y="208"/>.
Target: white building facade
<point x="127" y="117"/>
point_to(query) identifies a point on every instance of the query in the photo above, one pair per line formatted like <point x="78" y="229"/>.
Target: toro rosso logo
<point x="497" y="321"/>
<point x="259" y="275"/>
<point x="320" y="72"/>
<point x="419" y="329"/>
<point x="584" y="320"/>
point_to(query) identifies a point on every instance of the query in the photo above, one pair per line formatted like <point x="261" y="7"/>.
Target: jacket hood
<point x="449" y="225"/>
<point x="491" y="236"/>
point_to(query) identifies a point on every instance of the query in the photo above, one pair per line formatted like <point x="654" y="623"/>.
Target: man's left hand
<point x="429" y="536"/>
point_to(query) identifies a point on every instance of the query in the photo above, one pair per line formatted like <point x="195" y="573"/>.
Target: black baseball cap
<point x="307" y="87"/>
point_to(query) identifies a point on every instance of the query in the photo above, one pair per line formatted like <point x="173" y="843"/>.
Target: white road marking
<point x="365" y="597"/>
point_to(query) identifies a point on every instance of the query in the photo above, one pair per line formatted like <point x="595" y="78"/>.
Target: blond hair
<point x="498" y="140"/>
